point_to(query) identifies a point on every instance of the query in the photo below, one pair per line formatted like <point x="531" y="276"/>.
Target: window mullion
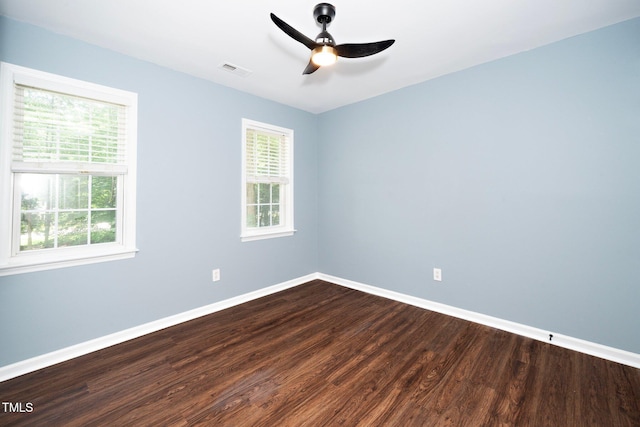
<point x="89" y="213"/>
<point x="55" y="207"/>
<point x="17" y="207"/>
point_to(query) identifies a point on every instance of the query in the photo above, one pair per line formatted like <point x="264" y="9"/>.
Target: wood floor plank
<point x="511" y="384"/>
<point x="320" y="354"/>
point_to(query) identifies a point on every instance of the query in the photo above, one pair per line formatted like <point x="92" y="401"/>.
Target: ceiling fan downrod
<point x="324" y="14"/>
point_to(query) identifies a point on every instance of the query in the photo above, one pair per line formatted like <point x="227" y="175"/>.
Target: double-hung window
<point x="267" y="181"/>
<point x="67" y="171"/>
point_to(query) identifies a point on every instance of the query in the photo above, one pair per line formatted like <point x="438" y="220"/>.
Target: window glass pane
<point x="252" y="216"/>
<point x="103" y="191"/>
<point x="264" y="216"/>
<point x="275" y="215"/>
<point x="275" y="193"/>
<point x="37" y="191"/>
<point x="36" y="231"/>
<point x="264" y="193"/>
<point x="252" y="194"/>
<point x="103" y="226"/>
<point x="72" y="228"/>
<point x="74" y="192"/>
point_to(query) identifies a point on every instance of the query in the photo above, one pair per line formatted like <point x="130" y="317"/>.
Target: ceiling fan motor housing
<point x="325" y="38"/>
<point x="324" y="13"/>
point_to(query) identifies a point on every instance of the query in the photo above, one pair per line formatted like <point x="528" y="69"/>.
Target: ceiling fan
<point x="324" y="51"/>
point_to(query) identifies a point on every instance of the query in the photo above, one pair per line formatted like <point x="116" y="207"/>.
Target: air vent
<point x="235" y="69"/>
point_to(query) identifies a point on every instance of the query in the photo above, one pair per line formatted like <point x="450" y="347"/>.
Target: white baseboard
<point x="58" y="356"/>
<point x="587" y="347"/>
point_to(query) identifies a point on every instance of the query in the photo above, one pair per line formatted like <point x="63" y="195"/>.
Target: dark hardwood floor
<point x="320" y="354"/>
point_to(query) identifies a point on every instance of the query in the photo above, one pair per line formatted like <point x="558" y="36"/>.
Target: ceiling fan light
<point x="324" y="55"/>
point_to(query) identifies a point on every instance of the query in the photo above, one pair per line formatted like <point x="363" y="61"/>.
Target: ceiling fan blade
<point x="359" y="50"/>
<point x="311" y="67"/>
<point x="293" y="33"/>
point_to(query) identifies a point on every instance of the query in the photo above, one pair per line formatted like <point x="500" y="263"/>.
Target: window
<point x="267" y="181"/>
<point x="67" y="171"/>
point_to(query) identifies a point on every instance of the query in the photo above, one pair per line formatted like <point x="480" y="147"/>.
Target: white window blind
<point x="267" y="156"/>
<point x="56" y="132"/>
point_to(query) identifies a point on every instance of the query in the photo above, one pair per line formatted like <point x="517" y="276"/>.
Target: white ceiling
<point x="433" y="38"/>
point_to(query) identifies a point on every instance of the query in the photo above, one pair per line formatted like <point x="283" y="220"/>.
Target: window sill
<point x="248" y="237"/>
<point x="29" y="264"/>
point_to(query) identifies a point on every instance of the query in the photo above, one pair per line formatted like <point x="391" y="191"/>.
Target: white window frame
<point x="286" y="227"/>
<point x="13" y="261"/>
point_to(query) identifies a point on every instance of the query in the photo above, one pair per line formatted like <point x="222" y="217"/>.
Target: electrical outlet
<point x="216" y="275"/>
<point x="437" y="275"/>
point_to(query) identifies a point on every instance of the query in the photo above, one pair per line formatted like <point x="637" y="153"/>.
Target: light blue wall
<point x="520" y="178"/>
<point x="188" y="205"/>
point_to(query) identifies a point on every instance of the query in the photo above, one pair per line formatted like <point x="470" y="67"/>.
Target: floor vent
<point x="235" y="69"/>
